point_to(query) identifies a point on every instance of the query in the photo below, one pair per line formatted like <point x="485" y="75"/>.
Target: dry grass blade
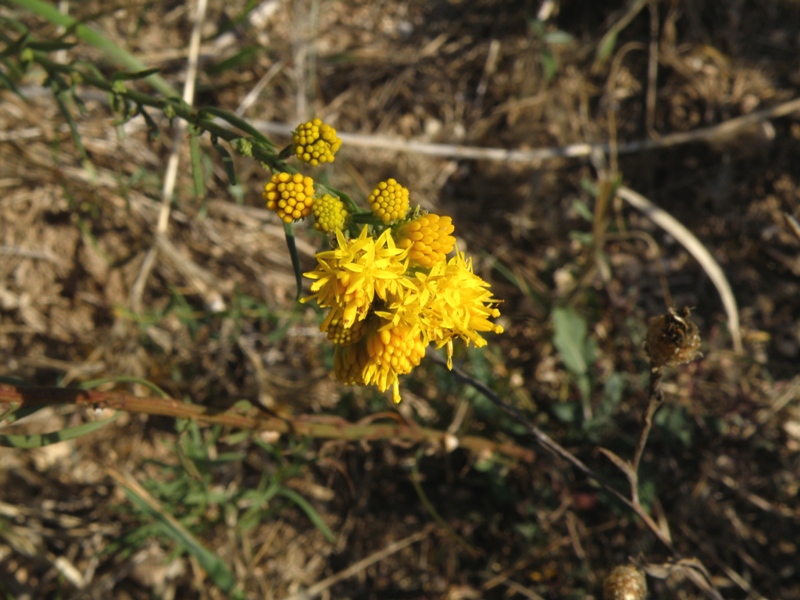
<point x="171" y="175"/>
<point x="689" y="241"/>
<point x="322" y="586"/>
<point x="720" y="133"/>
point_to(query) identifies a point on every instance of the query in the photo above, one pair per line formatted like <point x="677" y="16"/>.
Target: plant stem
<point x="299" y="426"/>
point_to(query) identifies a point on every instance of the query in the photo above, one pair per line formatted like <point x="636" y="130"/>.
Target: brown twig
<point x="653" y="403"/>
<point x="300" y="426"/>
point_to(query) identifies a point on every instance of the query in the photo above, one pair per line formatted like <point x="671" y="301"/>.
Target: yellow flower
<point x="345" y="336"/>
<point x="427" y="238"/>
<point x="449" y="301"/>
<point x="290" y="196"/>
<point x="389" y="201"/>
<point x="329" y="214"/>
<point x="350" y="277"/>
<point x="386" y="351"/>
<point x="315" y="142"/>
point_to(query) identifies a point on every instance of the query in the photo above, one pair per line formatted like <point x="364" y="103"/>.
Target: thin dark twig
<point x="554" y="447"/>
<point x="653" y="404"/>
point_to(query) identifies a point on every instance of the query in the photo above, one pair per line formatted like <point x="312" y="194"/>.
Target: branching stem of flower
<point x="22" y="396"/>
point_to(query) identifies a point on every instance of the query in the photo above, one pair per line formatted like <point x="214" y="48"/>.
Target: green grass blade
<point x="211" y="563"/>
<point x="37" y="440"/>
<point x="93" y="383"/>
<point x="312" y="514"/>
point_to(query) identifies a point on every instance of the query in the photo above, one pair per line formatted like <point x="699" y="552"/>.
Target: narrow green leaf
<point x="210" y="562"/>
<point x="606" y="46"/>
<point x="227" y="161"/>
<point x="93" y="383"/>
<point x="114" y="53"/>
<point x="53" y="46"/>
<point x="15" y="415"/>
<point x="16" y="46"/>
<point x="153" y="132"/>
<point x="197" y="166"/>
<point x="570" y="339"/>
<point x="37" y="440"/>
<point x="312" y="514"/>
<point x="7" y="83"/>
<point x="131" y="76"/>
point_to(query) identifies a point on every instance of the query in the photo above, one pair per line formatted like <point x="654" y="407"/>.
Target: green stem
<point x="199" y="117"/>
<point x="113" y="53"/>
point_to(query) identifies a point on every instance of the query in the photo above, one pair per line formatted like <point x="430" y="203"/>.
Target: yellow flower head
<point x="449" y="301"/>
<point x="329" y="214"/>
<point x="427" y="238"/>
<point x="315" y="142"/>
<point x="389" y="201"/>
<point x="291" y="196"/>
<point x="345" y="336"/>
<point x="350" y="277"/>
<point x="386" y="351"/>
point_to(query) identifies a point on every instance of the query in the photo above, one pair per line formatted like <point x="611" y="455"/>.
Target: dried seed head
<point x="672" y="339"/>
<point x="625" y="582"/>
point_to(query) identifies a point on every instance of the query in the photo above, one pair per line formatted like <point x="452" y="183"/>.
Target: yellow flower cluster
<point x="330" y="215"/>
<point x="389" y="201"/>
<point x="395" y="311"/>
<point x="315" y="142"/>
<point x="391" y="291"/>
<point x="427" y="238"/>
<point x="291" y="196"/>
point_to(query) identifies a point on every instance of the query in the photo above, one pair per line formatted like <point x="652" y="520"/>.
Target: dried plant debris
<point x="625" y="582"/>
<point x="672" y="339"/>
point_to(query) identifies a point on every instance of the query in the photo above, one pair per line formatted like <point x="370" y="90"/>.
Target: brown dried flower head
<point x="625" y="582"/>
<point x="672" y="339"/>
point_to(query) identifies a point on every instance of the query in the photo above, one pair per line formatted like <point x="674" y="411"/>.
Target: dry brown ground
<point x="723" y="464"/>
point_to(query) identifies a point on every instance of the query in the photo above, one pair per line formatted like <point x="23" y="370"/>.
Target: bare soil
<point x="216" y="320"/>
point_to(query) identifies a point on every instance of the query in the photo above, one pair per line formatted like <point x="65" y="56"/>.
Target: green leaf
<point x="93" y="383"/>
<point x="197" y="166"/>
<point x="606" y="46"/>
<point x="112" y="51"/>
<point x="16" y="46"/>
<point x="210" y="562"/>
<point x="312" y="514"/>
<point x="133" y="75"/>
<point x="37" y="440"/>
<point x="570" y="339"/>
<point x="52" y="46"/>
<point x="227" y="161"/>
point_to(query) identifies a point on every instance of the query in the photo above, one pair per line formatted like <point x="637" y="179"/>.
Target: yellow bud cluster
<point x="427" y="238"/>
<point x="389" y="201"/>
<point x="329" y="214"/>
<point x="291" y="196"/>
<point x="395" y="347"/>
<point x="349" y="362"/>
<point x="315" y="142"/>
<point x="346" y="336"/>
<point x="392" y="351"/>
